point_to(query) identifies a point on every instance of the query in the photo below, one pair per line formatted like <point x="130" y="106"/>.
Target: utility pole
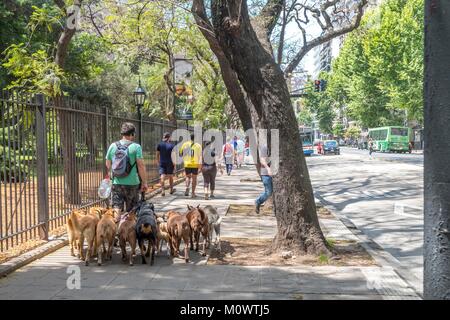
<point x="437" y="150"/>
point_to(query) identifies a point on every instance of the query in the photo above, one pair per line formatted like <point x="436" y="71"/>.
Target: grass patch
<point x="323" y="259"/>
<point x="331" y="242"/>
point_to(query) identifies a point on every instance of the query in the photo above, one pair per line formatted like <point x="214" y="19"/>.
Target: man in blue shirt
<point x="166" y="164"/>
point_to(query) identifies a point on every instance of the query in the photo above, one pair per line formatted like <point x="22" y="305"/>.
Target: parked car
<point x="331" y="146"/>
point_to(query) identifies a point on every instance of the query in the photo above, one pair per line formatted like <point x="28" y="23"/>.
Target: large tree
<point x="257" y="86"/>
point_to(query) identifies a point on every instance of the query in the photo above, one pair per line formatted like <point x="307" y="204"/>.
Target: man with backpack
<point x="124" y="159"/>
<point x="191" y="152"/>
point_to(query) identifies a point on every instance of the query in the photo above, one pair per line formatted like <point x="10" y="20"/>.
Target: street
<point x="382" y="196"/>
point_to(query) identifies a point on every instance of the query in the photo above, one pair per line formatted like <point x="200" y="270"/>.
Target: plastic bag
<point x="104" y="190"/>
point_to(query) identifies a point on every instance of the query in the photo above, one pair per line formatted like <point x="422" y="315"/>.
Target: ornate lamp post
<point x="139" y="99"/>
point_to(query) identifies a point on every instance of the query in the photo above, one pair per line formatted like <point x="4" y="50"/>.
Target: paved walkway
<point x="173" y="279"/>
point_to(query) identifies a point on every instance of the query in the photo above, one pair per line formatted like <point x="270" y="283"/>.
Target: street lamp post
<point x="139" y="99"/>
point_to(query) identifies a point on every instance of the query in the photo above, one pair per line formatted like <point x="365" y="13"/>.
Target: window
<point x="403" y="132"/>
<point x="380" y="134"/>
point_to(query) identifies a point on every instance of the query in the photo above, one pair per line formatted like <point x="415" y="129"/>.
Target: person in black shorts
<point x="166" y="164"/>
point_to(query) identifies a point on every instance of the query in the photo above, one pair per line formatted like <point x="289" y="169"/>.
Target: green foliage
<point x="338" y="129"/>
<point x="378" y="73"/>
<point x="305" y="116"/>
<point x="321" y="104"/>
<point x="352" y="132"/>
<point x="377" y="77"/>
<point x="33" y="71"/>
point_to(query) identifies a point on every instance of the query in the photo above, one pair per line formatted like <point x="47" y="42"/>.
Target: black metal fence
<point x="52" y="155"/>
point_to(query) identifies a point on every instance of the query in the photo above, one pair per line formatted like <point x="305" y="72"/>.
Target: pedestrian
<point x="235" y="139"/>
<point x="265" y="173"/>
<point x="129" y="177"/>
<point x="370" y="147"/>
<point x="240" y="149"/>
<point x="319" y="147"/>
<point x="192" y="161"/>
<point x="209" y="170"/>
<point x="165" y="162"/>
<point x="228" y="155"/>
<point x="247" y="146"/>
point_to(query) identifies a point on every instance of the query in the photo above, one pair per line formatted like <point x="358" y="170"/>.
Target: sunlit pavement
<point x="382" y="196"/>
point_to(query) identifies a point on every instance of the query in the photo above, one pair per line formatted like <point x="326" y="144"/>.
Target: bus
<point x="307" y="134"/>
<point x="390" y="139"/>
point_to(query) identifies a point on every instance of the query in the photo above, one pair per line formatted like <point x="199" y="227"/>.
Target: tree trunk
<point x="230" y="79"/>
<point x="437" y="152"/>
<point x="264" y="83"/>
<point x="70" y="167"/>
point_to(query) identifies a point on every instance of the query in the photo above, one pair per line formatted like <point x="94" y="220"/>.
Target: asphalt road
<point x="382" y="196"/>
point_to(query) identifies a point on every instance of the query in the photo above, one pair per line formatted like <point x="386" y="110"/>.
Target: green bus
<point x="387" y="139"/>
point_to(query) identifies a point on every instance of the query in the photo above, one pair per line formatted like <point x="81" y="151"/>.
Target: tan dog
<point x="198" y="221"/>
<point x="86" y="225"/>
<point x="127" y="233"/>
<point x="106" y="232"/>
<point x="73" y="233"/>
<point x="162" y="235"/>
<point x="178" y="229"/>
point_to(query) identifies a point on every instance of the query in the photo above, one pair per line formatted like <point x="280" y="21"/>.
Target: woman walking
<point x="228" y="154"/>
<point x="209" y="170"/>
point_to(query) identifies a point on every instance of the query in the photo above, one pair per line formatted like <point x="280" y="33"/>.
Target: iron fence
<point x="52" y="160"/>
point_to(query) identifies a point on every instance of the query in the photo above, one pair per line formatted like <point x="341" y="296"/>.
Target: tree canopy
<point x="377" y="77"/>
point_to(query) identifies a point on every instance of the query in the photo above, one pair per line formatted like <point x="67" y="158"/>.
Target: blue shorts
<point x="166" y="168"/>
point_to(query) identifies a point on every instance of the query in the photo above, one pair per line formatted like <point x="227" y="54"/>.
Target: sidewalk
<point x="173" y="279"/>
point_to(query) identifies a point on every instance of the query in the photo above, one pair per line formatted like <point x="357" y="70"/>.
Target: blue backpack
<point x="121" y="166"/>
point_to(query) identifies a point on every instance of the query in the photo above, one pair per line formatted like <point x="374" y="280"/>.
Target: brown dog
<point x="178" y="229"/>
<point x="73" y="233"/>
<point x="127" y="233"/>
<point x="162" y="235"/>
<point x="106" y="232"/>
<point x="86" y="226"/>
<point x="198" y="221"/>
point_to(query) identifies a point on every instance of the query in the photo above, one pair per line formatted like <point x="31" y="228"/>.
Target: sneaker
<point x="212" y="196"/>
<point x="172" y="191"/>
<point x="186" y="193"/>
<point x="257" y="207"/>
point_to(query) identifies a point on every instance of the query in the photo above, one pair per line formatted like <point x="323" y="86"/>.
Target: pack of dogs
<point x="142" y="228"/>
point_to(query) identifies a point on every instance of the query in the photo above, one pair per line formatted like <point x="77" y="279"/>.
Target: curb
<point x="22" y="260"/>
<point x="32" y="255"/>
<point x="380" y="255"/>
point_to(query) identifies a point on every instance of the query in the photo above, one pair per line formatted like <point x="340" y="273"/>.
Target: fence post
<point x="42" y="167"/>
<point x="105" y="137"/>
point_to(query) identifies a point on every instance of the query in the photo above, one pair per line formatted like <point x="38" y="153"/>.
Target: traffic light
<point x="322" y="85"/>
<point x="316" y="85"/>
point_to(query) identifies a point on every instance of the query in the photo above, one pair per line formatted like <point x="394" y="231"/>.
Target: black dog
<point x="146" y="229"/>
